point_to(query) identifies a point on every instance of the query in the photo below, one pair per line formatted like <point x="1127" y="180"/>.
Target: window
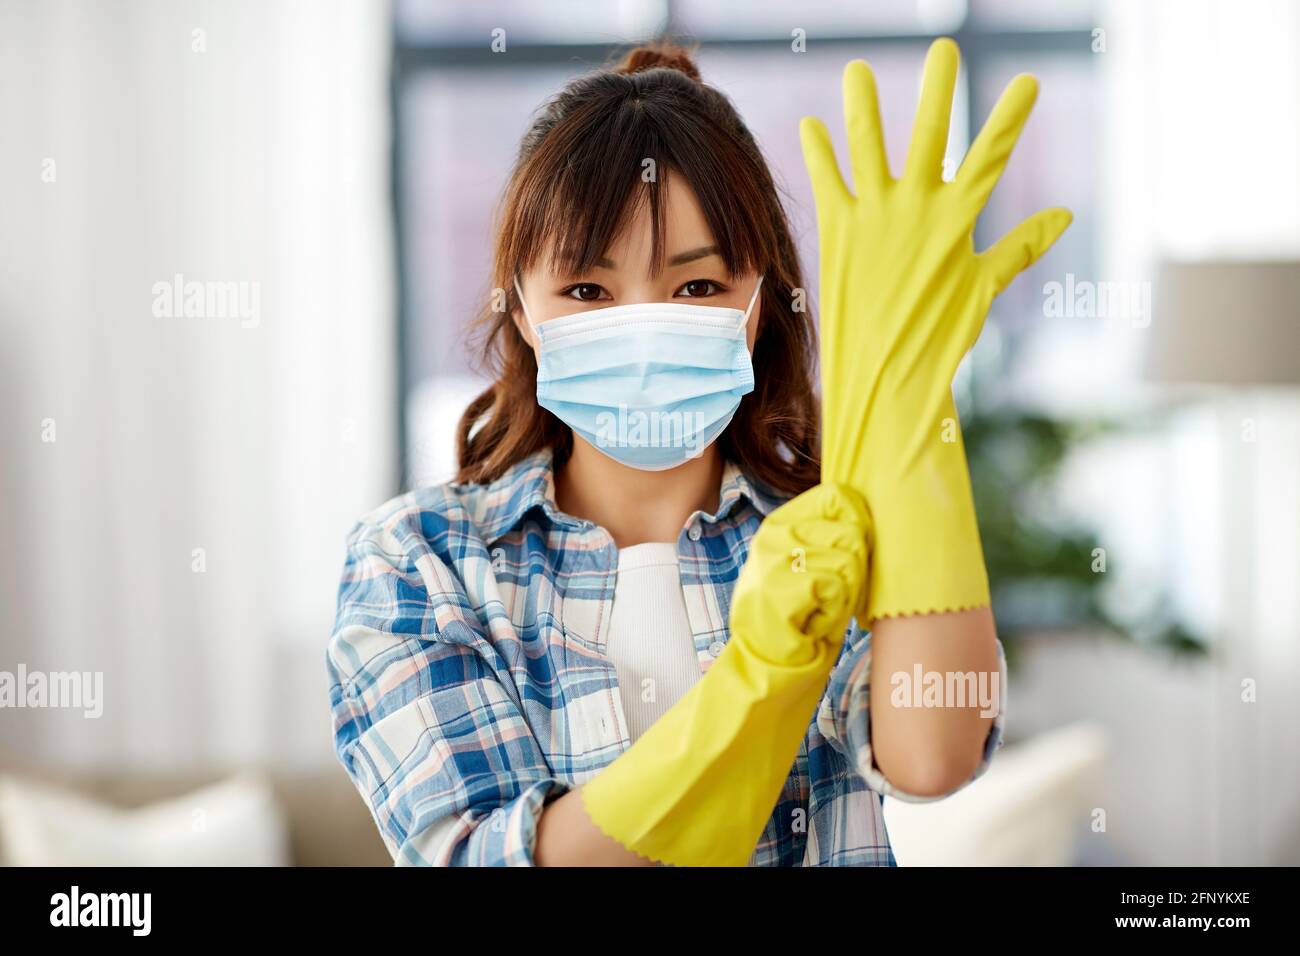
<point x="460" y="109"/>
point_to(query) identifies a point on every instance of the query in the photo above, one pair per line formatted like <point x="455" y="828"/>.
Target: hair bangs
<point x="588" y="186"/>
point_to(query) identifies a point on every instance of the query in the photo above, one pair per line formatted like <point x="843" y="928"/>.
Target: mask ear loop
<point x="744" y="322"/>
<point x="524" y="305"/>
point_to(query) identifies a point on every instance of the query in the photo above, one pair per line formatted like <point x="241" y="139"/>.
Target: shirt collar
<point x="499" y="507"/>
<point x="737" y="486"/>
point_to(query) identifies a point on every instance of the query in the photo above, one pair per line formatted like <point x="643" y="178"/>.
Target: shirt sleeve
<point x="844" y="717"/>
<point x="427" y="722"/>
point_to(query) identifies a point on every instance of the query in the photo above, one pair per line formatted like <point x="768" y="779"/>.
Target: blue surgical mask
<point x="650" y="384"/>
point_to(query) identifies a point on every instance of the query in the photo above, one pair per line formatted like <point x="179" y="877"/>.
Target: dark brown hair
<point x="577" y="181"/>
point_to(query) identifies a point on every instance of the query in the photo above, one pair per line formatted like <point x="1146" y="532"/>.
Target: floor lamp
<point x="1233" y="326"/>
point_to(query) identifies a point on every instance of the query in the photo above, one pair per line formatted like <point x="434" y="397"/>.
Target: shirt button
<point x="716" y="648"/>
<point x="694" y="533"/>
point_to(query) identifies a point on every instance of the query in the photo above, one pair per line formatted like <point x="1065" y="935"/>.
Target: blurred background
<point x="179" y="470"/>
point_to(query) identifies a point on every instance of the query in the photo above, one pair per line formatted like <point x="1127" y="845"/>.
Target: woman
<point x="558" y="659"/>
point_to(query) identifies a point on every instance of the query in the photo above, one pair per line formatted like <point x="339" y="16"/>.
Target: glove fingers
<point x="1022" y="246"/>
<point x="828" y="500"/>
<point x="806" y="570"/>
<point x="862" y="123"/>
<point x="823" y="171"/>
<point x="988" y="155"/>
<point x="933" y="114"/>
<point x="812" y="593"/>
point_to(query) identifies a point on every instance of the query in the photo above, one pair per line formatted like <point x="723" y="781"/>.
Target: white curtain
<point x="183" y="532"/>
<point x="1201" y="145"/>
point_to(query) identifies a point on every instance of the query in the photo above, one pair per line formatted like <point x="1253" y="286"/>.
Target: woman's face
<point x="693" y="271"/>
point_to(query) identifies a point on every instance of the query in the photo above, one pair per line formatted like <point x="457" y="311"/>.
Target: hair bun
<point x="659" y="56"/>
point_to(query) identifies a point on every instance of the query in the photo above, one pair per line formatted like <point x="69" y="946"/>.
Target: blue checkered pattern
<point x="469" y="682"/>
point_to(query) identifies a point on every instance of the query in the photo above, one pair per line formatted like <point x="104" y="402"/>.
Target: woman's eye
<point x="584" y="292"/>
<point x="698" y="288"/>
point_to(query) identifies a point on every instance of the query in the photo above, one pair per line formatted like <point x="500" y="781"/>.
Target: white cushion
<point x="236" y="822"/>
<point x="1028" y="809"/>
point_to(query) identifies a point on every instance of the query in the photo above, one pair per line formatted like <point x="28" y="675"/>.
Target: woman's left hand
<point x="903" y="297"/>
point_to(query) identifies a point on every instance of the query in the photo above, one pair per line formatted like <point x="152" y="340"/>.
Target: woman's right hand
<point x="805" y="577"/>
<point x="699" y="786"/>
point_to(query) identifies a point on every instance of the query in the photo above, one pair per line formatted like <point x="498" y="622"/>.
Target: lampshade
<point x="1226" y="323"/>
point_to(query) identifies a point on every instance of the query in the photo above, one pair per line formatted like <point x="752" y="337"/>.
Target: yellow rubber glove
<point x="699" y="786"/>
<point x="903" y="298"/>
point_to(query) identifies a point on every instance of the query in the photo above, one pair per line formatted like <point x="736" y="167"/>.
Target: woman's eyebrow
<point x="692" y="254"/>
<point x="681" y="258"/>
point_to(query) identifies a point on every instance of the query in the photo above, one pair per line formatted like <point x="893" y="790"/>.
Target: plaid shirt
<point x="470" y="685"/>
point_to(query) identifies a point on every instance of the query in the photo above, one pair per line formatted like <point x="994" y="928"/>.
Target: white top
<point x="650" y="638"/>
